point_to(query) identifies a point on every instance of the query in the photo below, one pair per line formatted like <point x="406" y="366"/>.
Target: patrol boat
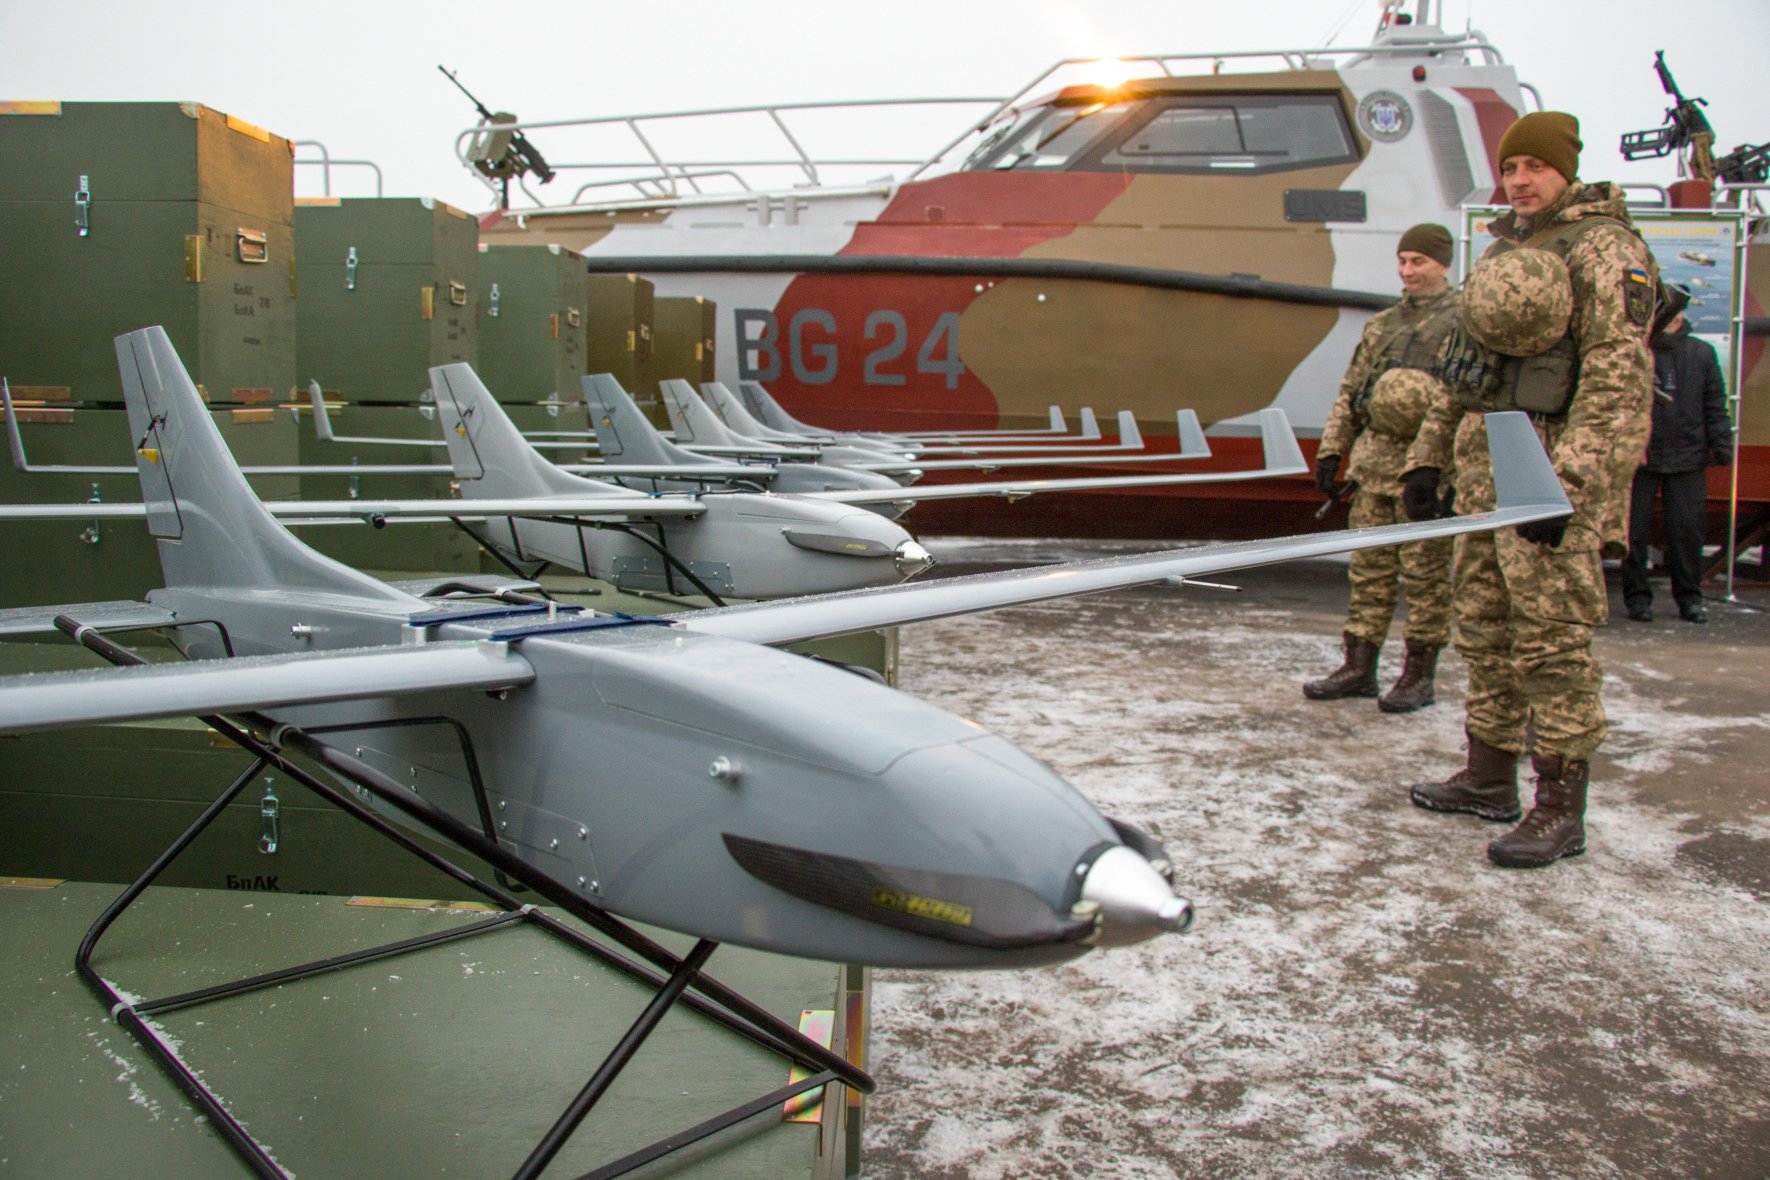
<point x="1213" y="233"/>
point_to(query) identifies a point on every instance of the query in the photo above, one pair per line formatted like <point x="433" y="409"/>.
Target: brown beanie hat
<point x="1426" y="238"/>
<point x="1550" y="136"/>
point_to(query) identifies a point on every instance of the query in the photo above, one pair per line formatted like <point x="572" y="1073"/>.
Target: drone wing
<point x="633" y="507"/>
<point x="92" y="696"/>
<point x="1283" y="457"/>
<point x="1527" y="486"/>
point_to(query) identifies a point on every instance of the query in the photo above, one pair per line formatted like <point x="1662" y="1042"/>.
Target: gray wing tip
<point x="1193" y="444"/>
<point x="1279" y="441"/>
<point x="1523" y="477"/>
<point x="1130" y="437"/>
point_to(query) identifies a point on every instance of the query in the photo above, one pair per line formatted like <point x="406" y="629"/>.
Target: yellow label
<point x="29" y="107"/>
<point x="553" y="326"/>
<point x="245" y="128"/>
<point x="632" y="342"/>
<point x="918" y="906"/>
<point x="427" y="303"/>
<point x="29" y="882"/>
<point x="151" y="454"/>
<point x="193" y="258"/>
<point x="319" y="202"/>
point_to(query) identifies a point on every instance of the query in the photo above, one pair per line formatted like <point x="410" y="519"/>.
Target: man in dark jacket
<point x="1690" y="432"/>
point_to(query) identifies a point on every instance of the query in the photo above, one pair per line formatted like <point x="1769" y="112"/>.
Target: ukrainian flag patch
<point x="1638" y="296"/>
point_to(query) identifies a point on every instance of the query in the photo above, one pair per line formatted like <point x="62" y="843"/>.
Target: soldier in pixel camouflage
<point x="1382" y="400"/>
<point x="1554" y="322"/>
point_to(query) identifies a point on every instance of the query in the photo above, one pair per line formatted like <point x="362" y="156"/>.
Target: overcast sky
<point x="361" y="77"/>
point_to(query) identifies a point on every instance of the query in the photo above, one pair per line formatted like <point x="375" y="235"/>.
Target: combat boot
<point x="1357" y="677"/>
<point x="1555" y="826"/>
<point x="1487" y="786"/>
<point x="1414" y="690"/>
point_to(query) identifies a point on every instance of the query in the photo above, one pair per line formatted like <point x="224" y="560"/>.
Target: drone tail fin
<point x="209" y="527"/>
<point x="622" y="429"/>
<point x="490" y="456"/>
<point x="692" y="420"/>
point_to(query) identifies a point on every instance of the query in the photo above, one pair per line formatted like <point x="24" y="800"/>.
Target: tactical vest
<point x="1415" y="344"/>
<point x="1484" y="380"/>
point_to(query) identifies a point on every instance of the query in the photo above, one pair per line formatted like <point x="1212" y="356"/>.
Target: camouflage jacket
<point x="1596" y="445"/>
<point x="1406" y="336"/>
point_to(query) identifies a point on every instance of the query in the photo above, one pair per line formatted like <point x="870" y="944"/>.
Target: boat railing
<point x="662" y="179"/>
<point x="673" y="180"/>
<point x="1397" y="44"/>
<point x="326" y="163"/>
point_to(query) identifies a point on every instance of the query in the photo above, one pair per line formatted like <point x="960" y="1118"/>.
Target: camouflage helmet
<point x="1399" y="400"/>
<point x="1519" y="302"/>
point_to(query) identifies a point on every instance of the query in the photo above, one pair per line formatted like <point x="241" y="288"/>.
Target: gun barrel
<point x="478" y="105"/>
<point x="1665" y="75"/>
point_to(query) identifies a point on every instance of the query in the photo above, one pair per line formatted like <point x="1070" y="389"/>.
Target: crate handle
<point x="457" y="293"/>
<point x="252" y="245"/>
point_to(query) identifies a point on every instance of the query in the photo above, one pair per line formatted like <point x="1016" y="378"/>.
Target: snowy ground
<point x="1362" y="995"/>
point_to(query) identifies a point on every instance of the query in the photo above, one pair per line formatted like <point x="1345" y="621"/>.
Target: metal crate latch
<point x="350" y="269"/>
<point x="83" y="208"/>
<point x="269" y="809"/>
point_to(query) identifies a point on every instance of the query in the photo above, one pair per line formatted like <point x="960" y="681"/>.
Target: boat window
<point x="1231" y="133"/>
<point x="1046" y="140"/>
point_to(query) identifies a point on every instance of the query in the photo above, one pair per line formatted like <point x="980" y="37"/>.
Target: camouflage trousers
<point x="1525" y="615"/>
<point x="1379" y="576"/>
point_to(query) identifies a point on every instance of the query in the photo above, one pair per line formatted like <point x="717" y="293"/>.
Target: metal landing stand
<point x="681" y="974"/>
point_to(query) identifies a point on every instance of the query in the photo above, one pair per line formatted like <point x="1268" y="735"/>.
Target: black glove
<point x="1326" y="468"/>
<point x="1544" y="532"/>
<point x="1721" y="455"/>
<point x="1419" y="494"/>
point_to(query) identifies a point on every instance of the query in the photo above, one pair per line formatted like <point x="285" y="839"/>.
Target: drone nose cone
<point x="1134" y="902"/>
<point x="911" y="558"/>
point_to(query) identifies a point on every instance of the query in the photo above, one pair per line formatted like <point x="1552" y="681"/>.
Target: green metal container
<point x="621" y="336"/>
<point x="88" y="561"/>
<point x="115" y="216"/>
<point x="532" y="334"/>
<point x="684" y="338"/>
<point x="389" y="288"/>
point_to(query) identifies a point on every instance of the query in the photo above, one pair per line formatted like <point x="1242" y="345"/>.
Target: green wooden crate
<point x="87" y="561"/>
<point x="620" y="335"/>
<point x="389" y="287"/>
<point x="188" y="219"/>
<point x="532" y="334"/>
<point x="685" y="326"/>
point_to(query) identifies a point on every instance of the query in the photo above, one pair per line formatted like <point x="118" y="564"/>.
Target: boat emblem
<point x="1385" y="116"/>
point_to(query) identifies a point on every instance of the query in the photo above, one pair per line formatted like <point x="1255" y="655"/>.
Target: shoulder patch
<point x="1638" y="296"/>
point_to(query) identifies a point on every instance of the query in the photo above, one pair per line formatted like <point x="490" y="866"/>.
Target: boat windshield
<point x="1045" y="138"/>
<point x="1174" y="133"/>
